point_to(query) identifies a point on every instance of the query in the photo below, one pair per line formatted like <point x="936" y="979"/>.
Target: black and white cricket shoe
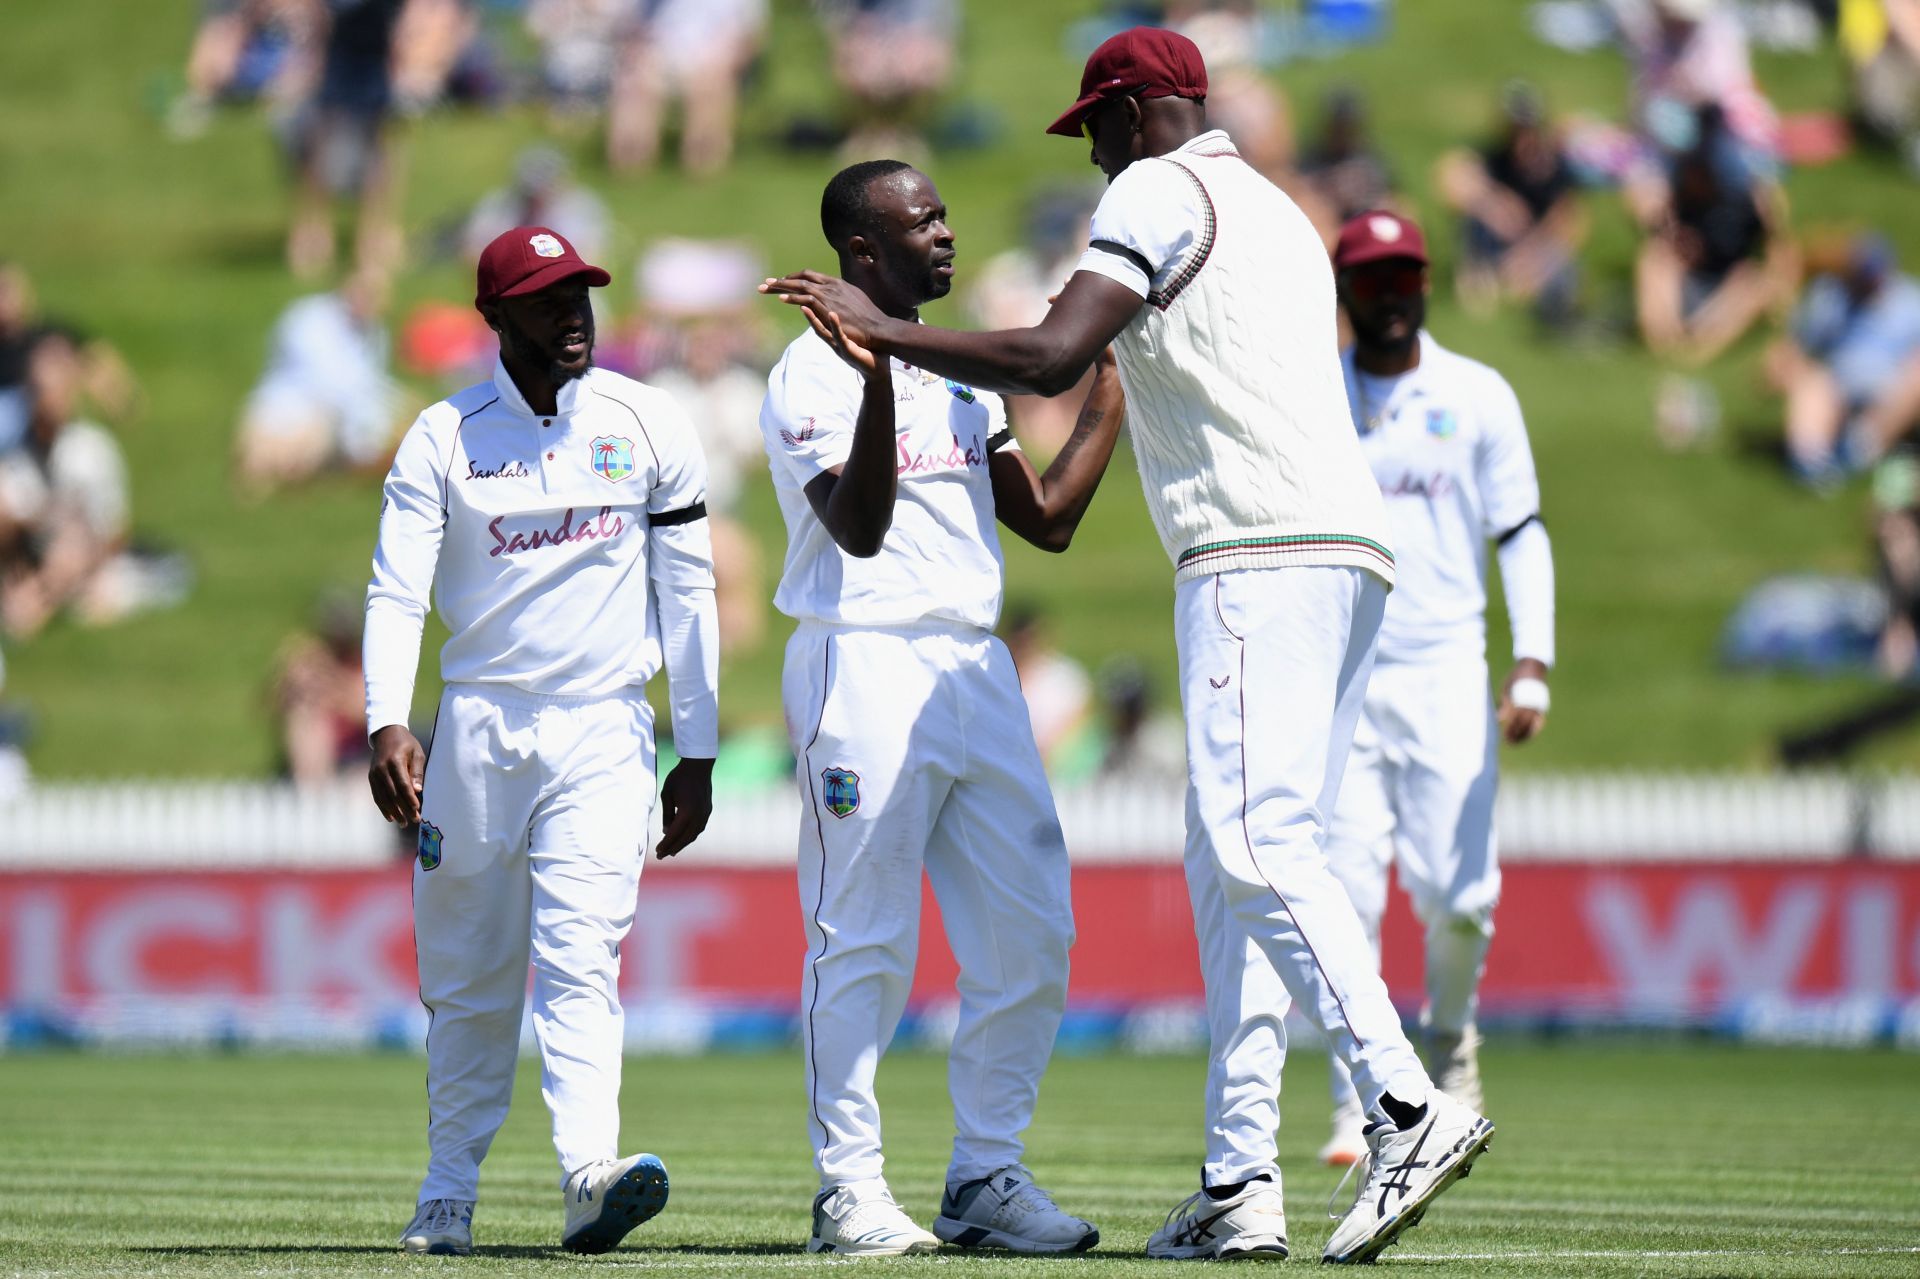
<point x="864" y="1221"/>
<point x="1007" y="1210"/>
<point x="1250" y="1226"/>
<point x="606" y="1200"/>
<point x="1406" y="1171"/>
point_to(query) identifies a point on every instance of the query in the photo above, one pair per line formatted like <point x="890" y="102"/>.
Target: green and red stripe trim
<point x="1292" y="542"/>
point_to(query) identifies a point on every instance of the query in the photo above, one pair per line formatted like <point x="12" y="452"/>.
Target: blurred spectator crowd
<point x="1694" y="157"/>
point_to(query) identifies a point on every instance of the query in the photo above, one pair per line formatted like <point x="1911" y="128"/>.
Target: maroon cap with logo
<point x="528" y="259"/>
<point x="1376" y="236"/>
<point x="1150" y="61"/>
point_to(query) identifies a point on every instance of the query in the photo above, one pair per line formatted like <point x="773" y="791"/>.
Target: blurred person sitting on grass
<point x="248" y="51"/>
<point x="1691" y="54"/>
<point x="542" y="193"/>
<point x="379" y="59"/>
<point x="1717" y="253"/>
<point x="1881" y="39"/>
<point x="63" y="501"/>
<point x="1342" y="173"/>
<point x="1522" y="223"/>
<point x="1058" y="694"/>
<point x="1849" y="366"/>
<point x="108" y="382"/>
<point x="326" y="399"/>
<point x="891" y="58"/>
<point x="701" y="342"/>
<point x="319" y="697"/>
<point x="696" y="50"/>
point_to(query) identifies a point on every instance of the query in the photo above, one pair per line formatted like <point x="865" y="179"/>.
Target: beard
<point x="515" y="341"/>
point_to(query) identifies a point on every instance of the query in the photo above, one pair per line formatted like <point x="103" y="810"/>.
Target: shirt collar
<point x="566" y="399"/>
<point x="1212" y="142"/>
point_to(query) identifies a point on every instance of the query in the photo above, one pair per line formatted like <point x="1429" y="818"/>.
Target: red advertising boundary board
<point x="1624" y="937"/>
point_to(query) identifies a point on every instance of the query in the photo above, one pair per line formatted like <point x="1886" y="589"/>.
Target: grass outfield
<point x="173" y="251"/>
<point x="1612" y="1159"/>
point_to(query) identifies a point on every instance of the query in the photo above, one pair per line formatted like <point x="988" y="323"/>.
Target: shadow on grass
<point x="526" y="1252"/>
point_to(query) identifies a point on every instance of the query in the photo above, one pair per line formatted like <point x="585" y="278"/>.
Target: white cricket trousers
<point x="1419" y="794"/>
<point x="542" y="806"/>
<point x="914" y="753"/>
<point x="1273" y="671"/>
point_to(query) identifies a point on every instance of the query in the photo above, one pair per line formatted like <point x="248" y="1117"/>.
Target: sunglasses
<point x="1386" y="279"/>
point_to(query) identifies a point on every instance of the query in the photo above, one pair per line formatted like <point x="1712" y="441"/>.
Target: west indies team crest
<point x="841" y="788"/>
<point x="430" y="839"/>
<point x="612" y="457"/>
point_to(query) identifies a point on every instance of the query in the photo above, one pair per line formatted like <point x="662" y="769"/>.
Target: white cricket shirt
<point x="1447" y="443"/>
<point x="564" y="553"/>
<point x="1232" y="369"/>
<point x="940" y="560"/>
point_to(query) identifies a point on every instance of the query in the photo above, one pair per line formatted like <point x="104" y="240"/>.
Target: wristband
<point x="1530" y="694"/>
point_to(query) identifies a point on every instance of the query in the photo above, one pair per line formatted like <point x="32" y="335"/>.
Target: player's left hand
<point x="686" y="804"/>
<point x="856" y="317"/>
<point x="1521" y="723"/>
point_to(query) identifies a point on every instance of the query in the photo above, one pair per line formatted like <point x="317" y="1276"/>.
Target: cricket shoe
<point x="864" y="1221"/>
<point x="1406" y="1170"/>
<point x="1454" y="1060"/>
<point x="440" y="1228"/>
<point x="607" y="1199"/>
<point x="1348" y="1144"/>
<point x="1251" y="1225"/>
<point x="1006" y="1210"/>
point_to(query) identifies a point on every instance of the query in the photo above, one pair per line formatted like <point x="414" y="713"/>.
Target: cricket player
<point x="913" y="745"/>
<point x="1218" y="297"/>
<point x="555" y="513"/>
<point x="1447" y="444"/>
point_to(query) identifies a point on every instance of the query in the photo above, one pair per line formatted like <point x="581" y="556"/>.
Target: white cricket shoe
<point x="606" y="1200"/>
<point x="440" y="1228"/>
<point x="1006" y="1210"/>
<point x="1454" y="1061"/>
<point x="1406" y="1170"/>
<point x="1252" y="1224"/>
<point x="1348" y="1144"/>
<point x="865" y="1222"/>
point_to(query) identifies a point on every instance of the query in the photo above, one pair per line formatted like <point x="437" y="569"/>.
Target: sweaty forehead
<point x="903" y="196"/>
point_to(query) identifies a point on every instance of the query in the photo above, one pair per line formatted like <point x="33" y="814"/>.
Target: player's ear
<point x="859" y="249"/>
<point x="491" y="314"/>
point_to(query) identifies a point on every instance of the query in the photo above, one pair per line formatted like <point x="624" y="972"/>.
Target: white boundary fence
<point x="1564" y="818"/>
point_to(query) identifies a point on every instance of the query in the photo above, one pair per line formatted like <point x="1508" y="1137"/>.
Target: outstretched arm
<point x="1046" y="509"/>
<point x="1046" y="359"/>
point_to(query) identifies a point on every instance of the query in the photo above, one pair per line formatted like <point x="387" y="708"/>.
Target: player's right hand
<point x="835" y="335"/>
<point x="397" y="774"/>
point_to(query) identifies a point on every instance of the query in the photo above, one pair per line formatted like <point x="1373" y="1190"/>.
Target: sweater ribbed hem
<point x="1293" y="550"/>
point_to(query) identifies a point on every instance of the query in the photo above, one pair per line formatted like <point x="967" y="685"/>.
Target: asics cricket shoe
<point x="1406" y="1170"/>
<point x="440" y="1228"/>
<point x="1006" y="1210"/>
<point x="1454" y="1060"/>
<point x="607" y="1199"/>
<point x="1251" y="1225"/>
<point x="1348" y="1144"/>
<point x="864" y="1221"/>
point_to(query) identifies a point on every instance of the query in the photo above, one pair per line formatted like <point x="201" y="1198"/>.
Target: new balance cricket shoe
<point x="1406" y="1170"/>
<point x="606" y="1200"/>
<point x="1454" y="1060"/>
<point x="1006" y="1210"/>
<point x="1348" y="1144"/>
<point x="1250" y="1226"/>
<point x="864" y="1221"/>
<point x="440" y="1228"/>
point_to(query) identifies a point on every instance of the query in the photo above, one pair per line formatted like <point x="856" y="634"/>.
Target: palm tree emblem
<point x="612" y="457"/>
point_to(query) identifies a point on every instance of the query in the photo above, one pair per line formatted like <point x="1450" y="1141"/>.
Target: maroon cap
<point x="1150" y="61"/>
<point x="1375" y="236"/>
<point x="528" y="259"/>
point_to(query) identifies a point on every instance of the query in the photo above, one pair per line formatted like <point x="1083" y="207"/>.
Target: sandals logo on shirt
<point x="612" y="457"/>
<point x="841" y="789"/>
<point x="430" y="840"/>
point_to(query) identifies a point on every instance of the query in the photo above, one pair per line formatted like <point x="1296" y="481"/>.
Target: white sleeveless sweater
<point x="1235" y="397"/>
